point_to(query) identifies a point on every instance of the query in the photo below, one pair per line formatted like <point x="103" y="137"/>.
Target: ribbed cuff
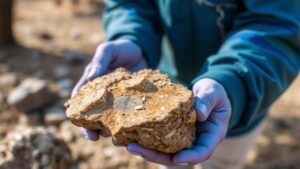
<point x="234" y="87"/>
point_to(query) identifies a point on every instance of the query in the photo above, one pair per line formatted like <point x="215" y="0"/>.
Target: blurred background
<point x="44" y="46"/>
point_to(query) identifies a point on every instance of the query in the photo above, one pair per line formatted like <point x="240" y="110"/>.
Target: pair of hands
<point x="211" y="104"/>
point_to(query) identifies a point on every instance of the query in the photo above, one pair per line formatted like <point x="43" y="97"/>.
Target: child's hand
<point x="213" y="113"/>
<point x="109" y="56"/>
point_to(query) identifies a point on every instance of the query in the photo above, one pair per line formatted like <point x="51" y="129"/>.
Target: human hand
<point x="109" y="56"/>
<point x="213" y="110"/>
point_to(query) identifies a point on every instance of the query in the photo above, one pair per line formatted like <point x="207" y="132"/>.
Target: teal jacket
<point x="252" y="47"/>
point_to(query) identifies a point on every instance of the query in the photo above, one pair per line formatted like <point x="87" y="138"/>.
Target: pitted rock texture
<point x="33" y="148"/>
<point x="144" y="107"/>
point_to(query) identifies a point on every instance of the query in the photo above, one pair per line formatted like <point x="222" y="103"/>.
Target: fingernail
<point x="202" y="107"/>
<point x="182" y="164"/>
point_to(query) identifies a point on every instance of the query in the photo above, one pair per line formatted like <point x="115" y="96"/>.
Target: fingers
<point x="209" y="96"/>
<point x="81" y="81"/>
<point x="212" y="133"/>
<point x="141" y="64"/>
<point x="150" y="155"/>
<point x="93" y="135"/>
<point x="101" y="61"/>
<point x="97" y="67"/>
<point x="125" y="53"/>
<point x="201" y="109"/>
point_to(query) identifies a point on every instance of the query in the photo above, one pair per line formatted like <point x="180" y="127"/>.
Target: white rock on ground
<point x="54" y="115"/>
<point x="31" y="94"/>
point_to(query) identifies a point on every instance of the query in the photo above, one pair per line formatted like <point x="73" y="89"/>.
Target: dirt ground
<point x="45" y="32"/>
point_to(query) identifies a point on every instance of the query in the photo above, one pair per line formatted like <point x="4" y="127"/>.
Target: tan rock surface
<point x="144" y="107"/>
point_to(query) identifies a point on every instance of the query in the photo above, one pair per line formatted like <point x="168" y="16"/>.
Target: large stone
<point x="30" y="94"/>
<point x="28" y="148"/>
<point x="144" y="107"/>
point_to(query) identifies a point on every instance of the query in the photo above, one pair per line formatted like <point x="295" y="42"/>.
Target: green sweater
<point x="252" y="47"/>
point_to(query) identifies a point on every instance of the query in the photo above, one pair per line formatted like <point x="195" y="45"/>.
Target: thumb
<point x="104" y="55"/>
<point x="203" y="107"/>
<point x="209" y="96"/>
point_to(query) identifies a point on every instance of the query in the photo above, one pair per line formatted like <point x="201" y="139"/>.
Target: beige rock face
<point x="144" y="107"/>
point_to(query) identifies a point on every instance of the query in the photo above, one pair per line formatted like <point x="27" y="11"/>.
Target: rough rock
<point x="31" y="94"/>
<point x="55" y="115"/>
<point x="144" y="107"/>
<point x="33" y="148"/>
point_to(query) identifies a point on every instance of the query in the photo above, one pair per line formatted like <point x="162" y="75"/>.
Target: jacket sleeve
<point x="137" y="21"/>
<point x="259" y="58"/>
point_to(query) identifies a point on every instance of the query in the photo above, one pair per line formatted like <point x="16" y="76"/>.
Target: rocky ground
<point x="37" y="76"/>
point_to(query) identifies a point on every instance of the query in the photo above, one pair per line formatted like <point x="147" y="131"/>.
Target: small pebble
<point x="162" y="96"/>
<point x="163" y="108"/>
<point x="160" y="117"/>
<point x="140" y="107"/>
<point x="109" y="152"/>
<point x="163" y="84"/>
